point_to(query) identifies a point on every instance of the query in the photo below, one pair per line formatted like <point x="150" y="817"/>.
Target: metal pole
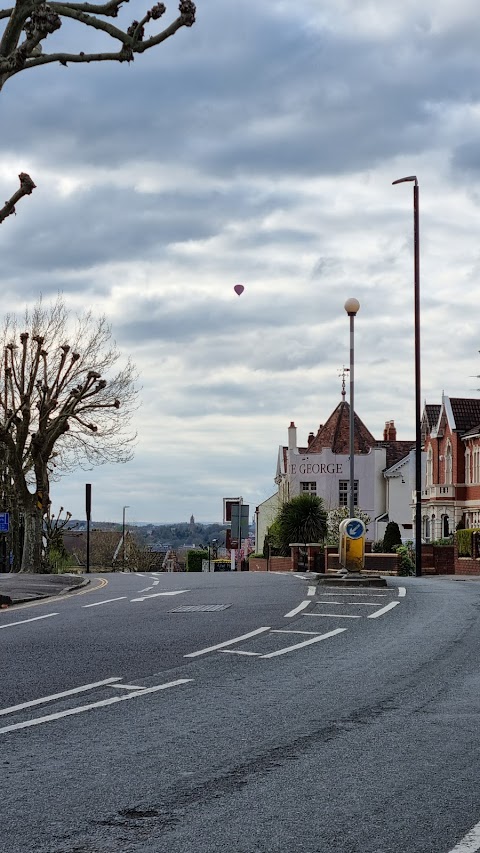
<point x="123" y="537"/>
<point x="418" y="424"/>
<point x="351" y="501"/>
<point x="88" y="509"/>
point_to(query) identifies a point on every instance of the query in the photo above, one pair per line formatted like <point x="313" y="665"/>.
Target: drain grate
<point x="192" y="608"/>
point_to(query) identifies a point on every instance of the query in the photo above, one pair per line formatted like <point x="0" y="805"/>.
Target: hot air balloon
<point x="239" y="288"/>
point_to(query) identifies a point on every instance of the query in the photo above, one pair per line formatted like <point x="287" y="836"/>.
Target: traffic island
<point x="355" y="580"/>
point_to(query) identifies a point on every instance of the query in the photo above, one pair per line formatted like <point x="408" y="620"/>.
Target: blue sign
<point x="355" y="528"/>
<point x="4" y="522"/>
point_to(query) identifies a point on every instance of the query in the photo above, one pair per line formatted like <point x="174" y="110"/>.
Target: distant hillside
<point x="164" y="535"/>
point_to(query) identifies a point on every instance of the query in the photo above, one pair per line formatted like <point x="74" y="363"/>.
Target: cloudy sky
<point x="258" y="147"/>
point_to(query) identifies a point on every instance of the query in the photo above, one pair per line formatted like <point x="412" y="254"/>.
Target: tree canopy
<point x="28" y="24"/>
<point x="64" y="404"/>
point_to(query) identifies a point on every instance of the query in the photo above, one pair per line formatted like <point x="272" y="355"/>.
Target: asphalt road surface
<point x="245" y="713"/>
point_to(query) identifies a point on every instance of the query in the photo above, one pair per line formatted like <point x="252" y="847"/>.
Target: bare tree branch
<point x="29" y="22"/>
<point x="26" y="188"/>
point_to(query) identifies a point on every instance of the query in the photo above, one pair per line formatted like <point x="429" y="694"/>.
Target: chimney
<point x="311" y="436"/>
<point x="389" y="433"/>
<point x="292" y="436"/>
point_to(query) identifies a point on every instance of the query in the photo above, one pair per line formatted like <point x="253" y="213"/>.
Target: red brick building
<point x="451" y="491"/>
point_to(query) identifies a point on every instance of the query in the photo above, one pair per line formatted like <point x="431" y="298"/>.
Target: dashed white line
<point x="351" y="603"/>
<point x="107" y="601"/>
<point x="305" y="643"/>
<point x="334" y="615"/>
<point x="293" y="631"/>
<point x="312" y="590"/>
<point x="296" y="610"/>
<point x="239" y="652"/>
<point x="227" y="643"/>
<point x="127" y="686"/>
<point x="61" y="695"/>
<point x="24" y="621"/>
<point x="38" y="721"/>
<point x="402" y="591"/>
<point x="382" y="610"/>
<point x="470" y="843"/>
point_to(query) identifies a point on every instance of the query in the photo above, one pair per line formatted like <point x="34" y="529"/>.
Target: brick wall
<point x="277" y="564"/>
<point x="380" y="563"/>
<point x="466" y="565"/>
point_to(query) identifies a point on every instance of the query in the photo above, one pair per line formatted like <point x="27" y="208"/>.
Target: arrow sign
<point x="157" y="594"/>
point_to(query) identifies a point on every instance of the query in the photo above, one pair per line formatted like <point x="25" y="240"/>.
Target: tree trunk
<point x="32" y="543"/>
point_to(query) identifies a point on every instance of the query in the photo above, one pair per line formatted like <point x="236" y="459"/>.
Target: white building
<point x="383" y="473"/>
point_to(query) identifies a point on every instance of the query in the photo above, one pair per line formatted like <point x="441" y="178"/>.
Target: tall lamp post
<point x="418" y="422"/>
<point x="123" y="535"/>
<point x="352" y="307"/>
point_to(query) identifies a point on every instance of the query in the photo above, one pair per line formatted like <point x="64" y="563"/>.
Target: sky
<point x="258" y="147"/>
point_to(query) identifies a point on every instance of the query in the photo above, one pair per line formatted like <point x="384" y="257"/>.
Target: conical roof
<point x="335" y="433"/>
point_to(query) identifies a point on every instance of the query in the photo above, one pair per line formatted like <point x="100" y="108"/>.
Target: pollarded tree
<point x="28" y="23"/>
<point x="63" y="404"/>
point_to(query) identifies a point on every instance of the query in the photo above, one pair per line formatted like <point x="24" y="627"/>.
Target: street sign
<point x="4" y="522"/>
<point x="355" y="528"/>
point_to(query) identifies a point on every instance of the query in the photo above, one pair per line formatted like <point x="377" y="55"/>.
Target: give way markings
<point x="135" y="691"/>
<point x="314" y="636"/>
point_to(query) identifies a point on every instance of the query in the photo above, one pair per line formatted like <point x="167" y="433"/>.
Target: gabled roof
<point x="396" y="451"/>
<point x="335" y="433"/>
<point x="466" y="413"/>
<point x="432" y="412"/>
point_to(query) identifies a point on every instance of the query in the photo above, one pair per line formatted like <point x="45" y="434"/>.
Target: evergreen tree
<point x="392" y="537"/>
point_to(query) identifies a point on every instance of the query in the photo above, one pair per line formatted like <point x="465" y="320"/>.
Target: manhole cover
<point x="191" y="608"/>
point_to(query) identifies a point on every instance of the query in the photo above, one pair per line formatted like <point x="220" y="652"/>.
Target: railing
<point x="438" y="491"/>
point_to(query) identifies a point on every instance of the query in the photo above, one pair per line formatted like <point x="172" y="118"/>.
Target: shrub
<point x="194" y="560"/>
<point x="465" y="541"/>
<point x="377" y="547"/>
<point x="407" y="563"/>
<point x="392" y="538"/>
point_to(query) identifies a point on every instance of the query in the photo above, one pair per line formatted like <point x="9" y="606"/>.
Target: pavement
<point x="19" y="587"/>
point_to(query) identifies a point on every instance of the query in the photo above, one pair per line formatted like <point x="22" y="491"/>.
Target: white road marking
<point x="305" y="643"/>
<point x="292" y="631"/>
<point x="158" y="594"/>
<point x="226" y="643"/>
<point x="334" y="615"/>
<point x="302" y="577"/>
<point x="239" y="652"/>
<point x="382" y="610"/>
<point x="127" y="686"/>
<point x="80" y="710"/>
<point x="470" y="843"/>
<point x="296" y="610"/>
<point x="54" y="696"/>
<point x="311" y="590"/>
<point x="24" y="621"/>
<point x="155" y="583"/>
<point x="351" y="603"/>
<point x="108" y="600"/>
<point x="402" y="591"/>
<point x="147" y="589"/>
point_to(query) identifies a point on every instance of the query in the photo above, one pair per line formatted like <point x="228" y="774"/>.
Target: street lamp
<point x="352" y="306"/>
<point x="418" y="422"/>
<point x="123" y="535"/>
<point x="212" y="542"/>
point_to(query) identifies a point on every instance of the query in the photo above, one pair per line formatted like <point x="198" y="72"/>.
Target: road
<point x="242" y="712"/>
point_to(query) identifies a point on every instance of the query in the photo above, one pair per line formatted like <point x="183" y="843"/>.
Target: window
<point x="429" y="472"/>
<point x="476" y="465"/>
<point x="426" y="525"/>
<point x="311" y="487"/>
<point x="468" y="474"/>
<point x="448" y="464"/>
<point x="445" y="526"/>
<point x="344" y="492"/>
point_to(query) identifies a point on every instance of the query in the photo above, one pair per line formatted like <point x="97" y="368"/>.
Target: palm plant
<point x="303" y="519"/>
